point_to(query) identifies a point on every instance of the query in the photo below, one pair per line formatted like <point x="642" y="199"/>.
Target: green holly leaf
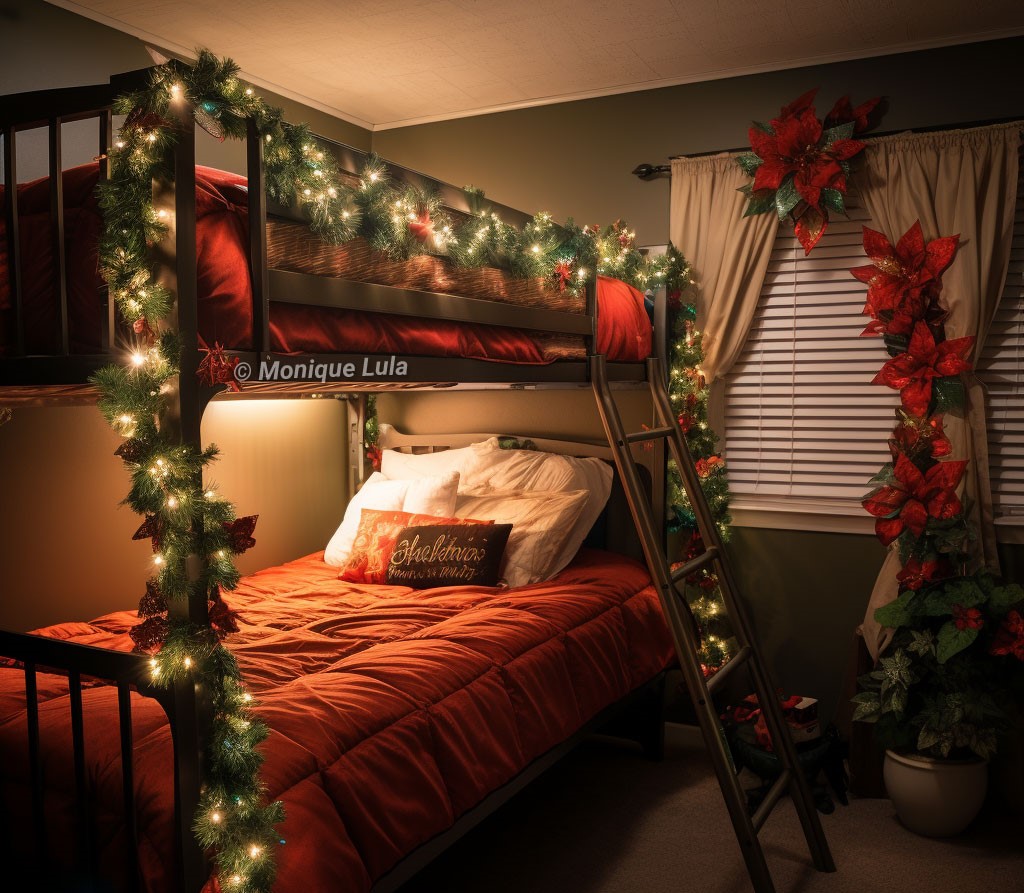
<point x="832" y="200"/>
<point x="761" y="201"/>
<point x="949" y="394"/>
<point x="839" y="132"/>
<point x="764" y="128"/>
<point x="885" y="477"/>
<point x="965" y="592"/>
<point x="786" y="197"/>
<point x="952" y="641"/>
<point x="895" y="344"/>
<point x="749" y="161"/>
<point x="898" y="613"/>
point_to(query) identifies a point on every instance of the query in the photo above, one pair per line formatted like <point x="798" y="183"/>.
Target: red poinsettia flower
<point x="967" y="618"/>
<point x="1010" y="636"/>
<point x="374" y="454"/>
<point x="913" y="372"/>
<point x="794" y="149"/>
<point x="915" y="436"/>
<point x="913" y="498"/>
<point x="903" y="281"/>
<point x="843" y="112"/>
<point x="917" y="572"/>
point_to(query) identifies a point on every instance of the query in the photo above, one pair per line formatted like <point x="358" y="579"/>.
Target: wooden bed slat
<point x="85" y="838"/>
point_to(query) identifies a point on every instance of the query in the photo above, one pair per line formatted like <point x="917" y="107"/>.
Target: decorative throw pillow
<point x="497" y="469"/>
<point x="375" y="541"/>
<point x="540" y="521"/>
<point x="425" y="495"/>
<point x="448" y="555"/>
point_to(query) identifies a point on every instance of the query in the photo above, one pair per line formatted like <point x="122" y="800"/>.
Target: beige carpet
<point x="606" y="820"/>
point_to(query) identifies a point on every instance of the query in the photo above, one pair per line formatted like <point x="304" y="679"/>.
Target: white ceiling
<point x="391" y="63"/>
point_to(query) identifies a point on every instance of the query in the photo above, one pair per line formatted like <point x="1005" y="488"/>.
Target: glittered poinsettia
<point x="1009" y="638"/>
<point x="913" y="372"/>
<point x="915" y="437"/>
<point x="240" y="533"/>
<point x="843" y="112"/>
<point x="218" y="368"/>
<point x="422" y="227"/>
<point x="918" y="572"/>
<point x="800" y="167"/>
<point x="904" y="280"/>
<point x="913" y="497"/>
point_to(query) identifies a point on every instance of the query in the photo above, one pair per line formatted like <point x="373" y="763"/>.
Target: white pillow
<point x="540" y="520"/>
<point x="423" y="496"/>
<point x="499" y="469"/>
<point x="417" y="465"/>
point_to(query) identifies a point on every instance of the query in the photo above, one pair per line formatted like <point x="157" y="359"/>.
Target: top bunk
<point x="273" y="281"/>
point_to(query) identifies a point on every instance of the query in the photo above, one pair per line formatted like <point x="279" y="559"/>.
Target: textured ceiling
<point x="386" y="64"/>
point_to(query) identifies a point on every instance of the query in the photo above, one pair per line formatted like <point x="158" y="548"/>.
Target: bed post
<point x="176" y="256"/>
<point x="356" y="409"/>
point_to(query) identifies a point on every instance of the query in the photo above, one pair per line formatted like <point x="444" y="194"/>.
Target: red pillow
<point x="375" y="541"/>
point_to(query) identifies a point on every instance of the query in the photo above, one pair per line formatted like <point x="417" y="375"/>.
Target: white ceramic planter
<point x="935" y="798"/>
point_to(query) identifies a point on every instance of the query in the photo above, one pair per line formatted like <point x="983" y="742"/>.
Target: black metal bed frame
<point x="63" y="377"/>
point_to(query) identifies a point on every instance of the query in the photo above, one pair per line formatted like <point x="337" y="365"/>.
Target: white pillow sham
<point x="539" y="519"/>
<point x="408" y="466"/>
<point x="433" y="495"/>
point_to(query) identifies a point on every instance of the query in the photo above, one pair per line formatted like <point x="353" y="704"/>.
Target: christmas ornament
<point x="240" y="533"/>
<point x="152" y="603"/>
<point x="152" y="528"/>
<point x="217" y="368"/>
<point x="150" y="635"/>
<point x="132" y="451"/>
<point x="563" y="274"/>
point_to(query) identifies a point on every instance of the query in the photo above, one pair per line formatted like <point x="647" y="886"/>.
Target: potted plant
<point x="945" y="689"/>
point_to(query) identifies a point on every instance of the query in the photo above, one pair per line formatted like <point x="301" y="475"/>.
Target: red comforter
<point x="225" y="291"/>
<point x="392" y="711"/>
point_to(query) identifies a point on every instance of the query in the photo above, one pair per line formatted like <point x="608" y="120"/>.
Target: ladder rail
<point x="685" y="636"/>
<point x="739" y="616"/>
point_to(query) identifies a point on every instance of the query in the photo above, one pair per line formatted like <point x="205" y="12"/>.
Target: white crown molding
<point x="554" y="99"/>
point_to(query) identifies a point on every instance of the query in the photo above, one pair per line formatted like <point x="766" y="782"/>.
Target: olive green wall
<point x="44" y="47"/>
<point x="574" y="159"/>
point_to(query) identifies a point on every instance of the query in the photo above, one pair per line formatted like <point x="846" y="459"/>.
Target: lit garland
<point x="688" y="392"/>
<point x="184" y="516"/>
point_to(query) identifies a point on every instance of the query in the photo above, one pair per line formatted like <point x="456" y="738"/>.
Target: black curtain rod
<point x="654" y="172"/>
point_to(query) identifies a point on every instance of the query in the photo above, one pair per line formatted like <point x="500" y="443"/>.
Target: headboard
<point x="614" y="529"/>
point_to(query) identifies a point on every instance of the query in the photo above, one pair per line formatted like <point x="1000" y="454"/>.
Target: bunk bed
<point x="398" y="719"/>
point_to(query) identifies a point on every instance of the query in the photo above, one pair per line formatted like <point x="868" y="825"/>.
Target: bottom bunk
<point x="392" y="712"/>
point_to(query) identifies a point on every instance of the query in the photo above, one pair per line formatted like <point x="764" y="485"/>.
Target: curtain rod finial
<point x="650" y="172"/>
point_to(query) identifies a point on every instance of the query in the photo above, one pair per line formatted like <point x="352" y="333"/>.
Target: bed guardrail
<point x="128" y="672"/>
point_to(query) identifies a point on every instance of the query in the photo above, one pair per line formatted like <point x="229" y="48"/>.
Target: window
<point x="804" y="428"/>
<point x="1001" y="369"/>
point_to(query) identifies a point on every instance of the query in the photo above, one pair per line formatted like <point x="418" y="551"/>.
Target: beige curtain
<point x="729" y="253"/>
<point x="962" y="181"/>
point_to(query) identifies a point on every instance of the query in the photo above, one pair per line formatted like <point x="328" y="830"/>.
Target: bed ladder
<point x="684" y="631"/>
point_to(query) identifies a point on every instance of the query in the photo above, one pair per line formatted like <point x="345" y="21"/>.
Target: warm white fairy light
<point x="254" y="851"/>
<point x="215" y="817"/>
<point x="138" y="359"/>
<point x="187" y="662"/>
<point x="158" y="560"/>
<point x="248" y="91"/>
<point x="172" y="502"/>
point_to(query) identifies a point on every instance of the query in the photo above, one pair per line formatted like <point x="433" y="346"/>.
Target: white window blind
<point x="1001" y="369"/>
<point x="802" y="420"/>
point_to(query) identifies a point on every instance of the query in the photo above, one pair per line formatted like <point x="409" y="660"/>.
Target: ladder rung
<point x="773" y="796"/>
<point x="705" y="558"/>
<point x="650" y="434"/>
<point x="735" y="662"/>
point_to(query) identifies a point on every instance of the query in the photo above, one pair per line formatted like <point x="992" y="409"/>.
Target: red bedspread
<point x="391" y="711"/>
<point x="225" y="291"/>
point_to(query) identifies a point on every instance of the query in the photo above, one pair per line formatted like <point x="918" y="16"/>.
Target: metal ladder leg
<point x="684" y="634"/>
